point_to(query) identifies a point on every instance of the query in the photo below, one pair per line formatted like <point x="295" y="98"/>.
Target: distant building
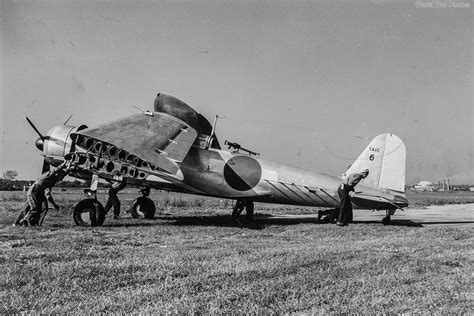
<point x="424" y="186"/>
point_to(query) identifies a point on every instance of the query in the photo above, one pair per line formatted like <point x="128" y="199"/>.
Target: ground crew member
<point x="113" y="199"/>
<point x="38" y="196"/>
<point x="328" y="216"/>
<point x="345" y="207"/>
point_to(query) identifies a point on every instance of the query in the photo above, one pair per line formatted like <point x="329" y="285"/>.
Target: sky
<point x="304" y="83"/>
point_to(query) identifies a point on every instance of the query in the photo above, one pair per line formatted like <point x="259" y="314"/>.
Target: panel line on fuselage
<point x="314" y="192"/>
<point x="268" y="181"/>
<point x="286" y="186"/>
<point x="309" y="196"/>
<point x="330" y="196"/>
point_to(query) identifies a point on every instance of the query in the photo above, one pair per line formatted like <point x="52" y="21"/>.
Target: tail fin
<point x="385" y="157"/>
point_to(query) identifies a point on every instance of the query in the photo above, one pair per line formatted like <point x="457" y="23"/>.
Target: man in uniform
<point x="345" y="208"/>
<point x="38" y="196"/>
<point x="113" y="199"/>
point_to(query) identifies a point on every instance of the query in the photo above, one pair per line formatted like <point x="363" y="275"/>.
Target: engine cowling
<point x="58" y="143"/>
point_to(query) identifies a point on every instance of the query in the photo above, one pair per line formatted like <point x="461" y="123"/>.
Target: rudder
<point x="385" y="157"/>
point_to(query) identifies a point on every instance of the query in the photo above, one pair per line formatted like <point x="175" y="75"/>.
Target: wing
<point x="159" y="139"/>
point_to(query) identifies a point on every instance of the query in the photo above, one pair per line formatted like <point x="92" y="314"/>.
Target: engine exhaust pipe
<point x="80" y="159"/>
<point x="97" y="147"/>
<point x="91" y="159"/>
<point x="88" y="143"/>
<point x="100" y="164"/>
<point x="124" y="170"/>
<point x="109" y="166"/>
<point x="80" y="140"/>
<point x="70" y="157"/>
<point x="112" y="151"/>
<point x="121" y="154"/>
<point x="130" y="158"/>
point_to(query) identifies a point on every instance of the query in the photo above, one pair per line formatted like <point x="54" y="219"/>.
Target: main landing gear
<point x="90" y="212"/>
<point x="239" y="207"/>
<point x="143" y="207"/>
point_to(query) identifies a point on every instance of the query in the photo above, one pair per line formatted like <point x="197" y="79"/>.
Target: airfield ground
<point x="193" y="258"/>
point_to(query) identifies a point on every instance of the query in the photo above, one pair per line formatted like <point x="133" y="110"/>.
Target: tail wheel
<point x="143" y="207"/>
<point x="89" y="212"/>
<point x="249" y="210"/>
<point x="388" y="217"/>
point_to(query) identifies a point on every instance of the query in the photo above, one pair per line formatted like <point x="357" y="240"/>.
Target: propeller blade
<point x="36" y="130"/>
<point x="46" y="167"/>
<point x="67" y="119"/>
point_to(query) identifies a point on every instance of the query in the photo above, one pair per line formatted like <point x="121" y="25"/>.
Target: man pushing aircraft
<point x="345" y="206"/>
<point x="38" y="196"/>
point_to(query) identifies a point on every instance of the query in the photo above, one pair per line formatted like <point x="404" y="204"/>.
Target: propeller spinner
<point x="55" y="144"/>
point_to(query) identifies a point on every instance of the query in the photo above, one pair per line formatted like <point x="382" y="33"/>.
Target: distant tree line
<point x="20" y="185"/>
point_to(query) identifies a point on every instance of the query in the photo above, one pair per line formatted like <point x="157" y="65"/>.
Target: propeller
<point x="67" y="119"/>
<point x="40" y="141"/>
<point x="36" y="130"/>
<point x="40" y="145"/>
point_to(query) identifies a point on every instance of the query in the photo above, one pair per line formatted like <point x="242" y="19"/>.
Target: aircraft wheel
<point x="386" y="220"/>
<point x="143" y="207"/>
<point x="89" y="212"/>
<point x="249" y="210"/>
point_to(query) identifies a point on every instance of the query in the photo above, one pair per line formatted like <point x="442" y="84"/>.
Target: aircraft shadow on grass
<point x="260" y="222"/>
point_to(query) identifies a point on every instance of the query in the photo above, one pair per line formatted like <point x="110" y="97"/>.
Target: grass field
<point x="193" y="258"/>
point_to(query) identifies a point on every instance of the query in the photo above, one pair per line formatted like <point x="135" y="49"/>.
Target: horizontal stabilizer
<point x="378" y="202"/>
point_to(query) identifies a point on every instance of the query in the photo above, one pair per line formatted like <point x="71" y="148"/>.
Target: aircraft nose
<point x="39" y="144"/>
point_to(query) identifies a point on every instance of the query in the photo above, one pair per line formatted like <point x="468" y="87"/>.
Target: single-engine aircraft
<point x="175" y="148"/>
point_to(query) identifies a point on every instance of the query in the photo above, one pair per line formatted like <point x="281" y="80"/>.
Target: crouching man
<point x="38" y="196"/>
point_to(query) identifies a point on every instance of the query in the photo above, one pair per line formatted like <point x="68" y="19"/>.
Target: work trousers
<point x="345" y="208"/>
<point x="32" y="209"/>
<point x="113" y="201"/>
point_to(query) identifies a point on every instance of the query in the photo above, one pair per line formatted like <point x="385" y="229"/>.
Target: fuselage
<point x="220" y="173"/>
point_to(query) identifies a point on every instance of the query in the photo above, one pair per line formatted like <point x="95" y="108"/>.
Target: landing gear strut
<point x="143" y="207"/>
<point x="239" y="207"/>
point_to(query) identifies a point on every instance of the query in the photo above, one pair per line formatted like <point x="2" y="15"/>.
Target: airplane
<point x="175" y="148"/>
